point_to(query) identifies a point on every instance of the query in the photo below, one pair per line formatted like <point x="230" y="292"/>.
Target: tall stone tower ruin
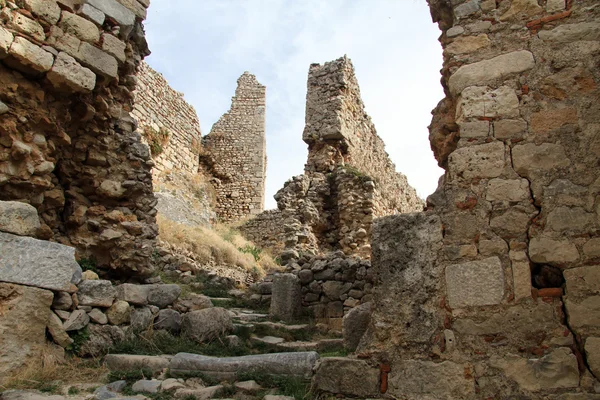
<point x="235" y="153"/>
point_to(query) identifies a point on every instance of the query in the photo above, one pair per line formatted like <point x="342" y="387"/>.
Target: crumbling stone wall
<point x="493" y="291"/>
<point x="235" y="153"/>
<point x="349" y="179"/>
<point x="158" y="106"/>
<point x="68" y="145"/>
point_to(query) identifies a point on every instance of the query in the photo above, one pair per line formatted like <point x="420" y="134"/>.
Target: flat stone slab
<point x="267" y="340"/>
<point x="298" y="364"/>
<point x="278" y="325"/>
<point x="37" y="263"/>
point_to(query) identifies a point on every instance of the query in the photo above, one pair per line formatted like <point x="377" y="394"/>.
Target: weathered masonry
<point x="169" y="125"/>
<point x="68" y="145"/>
<point x="493" y="292"/>
<point x="235" y="153"/>
<point x="349" y="179"/>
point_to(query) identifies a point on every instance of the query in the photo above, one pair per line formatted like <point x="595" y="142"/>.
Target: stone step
<point x="279" y="325"/>
<point x="222" y="299"/>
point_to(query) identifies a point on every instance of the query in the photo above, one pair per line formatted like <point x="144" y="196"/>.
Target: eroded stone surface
<point x="33" y="262"/>
<point x="476" y="283"/>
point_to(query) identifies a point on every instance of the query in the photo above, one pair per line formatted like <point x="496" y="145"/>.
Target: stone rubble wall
<point x="338" y="131"/>
<point x="157" y="106"/>
<point x="68" y="145"/>
<point x="234" y="152"/>
<point x="266" y="231"/>
<point x="493" y="291"/>
<point x="349" y="179"/>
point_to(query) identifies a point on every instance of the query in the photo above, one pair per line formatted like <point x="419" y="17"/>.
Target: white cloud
<point x="203" y="46"/>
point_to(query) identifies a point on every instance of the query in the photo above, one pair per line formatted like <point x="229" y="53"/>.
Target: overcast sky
<point x="203" y="46"/>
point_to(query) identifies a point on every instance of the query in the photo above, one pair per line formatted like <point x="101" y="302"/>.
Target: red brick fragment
<point x="537" y="23"/>
<point x="550" y="292"/>
<point x="384" y="369"/>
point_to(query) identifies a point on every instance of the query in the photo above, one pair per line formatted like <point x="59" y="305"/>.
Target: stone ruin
<point x="349" y="179"/>
<point x="493" y="291"/>
<point x="235" y="153"/>
<point x="67" y="141"/>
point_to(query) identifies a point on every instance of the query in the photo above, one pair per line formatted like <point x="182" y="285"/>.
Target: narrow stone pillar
<point x="286" y="299"/>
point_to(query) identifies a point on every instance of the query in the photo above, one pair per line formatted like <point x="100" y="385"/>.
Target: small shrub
<point x="255" y="251"/>
<point x="73" y="391"/>
<point x="157" y="140"/>
<point x="79" y="338"/>
<point x="88" y="264"/>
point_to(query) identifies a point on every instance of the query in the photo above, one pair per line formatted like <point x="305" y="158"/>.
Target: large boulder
<point x="141" y="318"/>
<point x="207" y="324"/>
<point x="18" y="218"/>
<point x="355" y="324"/>
<point x="32" y="262"/>
<point x="192" y="302"/>
<point x="119" y="313"/>
<point x="22" y="342"/>
<point x="98" y="293"/>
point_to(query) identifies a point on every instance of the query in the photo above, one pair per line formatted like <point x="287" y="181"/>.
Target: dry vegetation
<point x="221" y="245"/>
<point x="51" y="374"/>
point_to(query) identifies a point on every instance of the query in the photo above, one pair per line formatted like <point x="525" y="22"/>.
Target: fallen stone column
<point x="298" y="364"/>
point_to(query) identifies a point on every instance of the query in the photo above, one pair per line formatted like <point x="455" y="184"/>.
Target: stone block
<point x="592" y="352"/>
<point x="6" y="39"/>
<point x="169" y="320"/>
<point x="334" y="289"/>
<point x="97" y="293"/>
<point x="163" y="295"/>
<point x="521" y="271"/>
<point x="27" y="26"/>
<point x="467" y="44"/>
<point x="556" y="370"/>
<point x="355" y="324"/>
<point x="546" y="121"/>
<point x="92" y="13"/>
<point x="475" y="283"/>
<point x="22" y="343"/>
<point x="38" y="263"/>
<point x="482" y="101"/>
<point x="348" y="377"/>
<point x="474" y="129"/>
<point x="416" y="379"/>
<point x="509" y="128"/>
<point x="567" y="33"/>
<point x="133" y="294"/>
<point x="68" y="75"/>
<point x="466" y="9"/>
<point x="287" y="297"/>
<point x="45" y="9"/>
<point x="98" y="61"/>
<point x="522" y="8"/>
<point x="79" y="27"/>
<point x="495" y="68"/>
<point x="112" y="8"/>
<point x="56" y="330"/>
<point x="119" y="313"/>
<point x="76" y="321"/>
<point x="513" y="223"/>
<point x="591" y="248"/>
<point x="570" y="219"/>
<point x="553" y="6"/>
<point x="480" y="161"/>
<point x="530" y="159"/>
<point x="582" y="282"/>
<point x="98" y="317"/>
<point x="135" y="6"/>
<point x="18" y="218"/>
<point x="522" y="320"/>
<point x="455" y="31"/>
<point x="205" y="325"/>
<point x="141" y="319"/>
<point x="545" y="250"/>
<point x="298" y="364"/>
<point x="63" y="41"/>
<point x="28" y="57"/>
<point x="113" y="46"/>
<point x="126" y="362"/>
<point x="508" y="190"/>
<point x="492" y="247"/>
